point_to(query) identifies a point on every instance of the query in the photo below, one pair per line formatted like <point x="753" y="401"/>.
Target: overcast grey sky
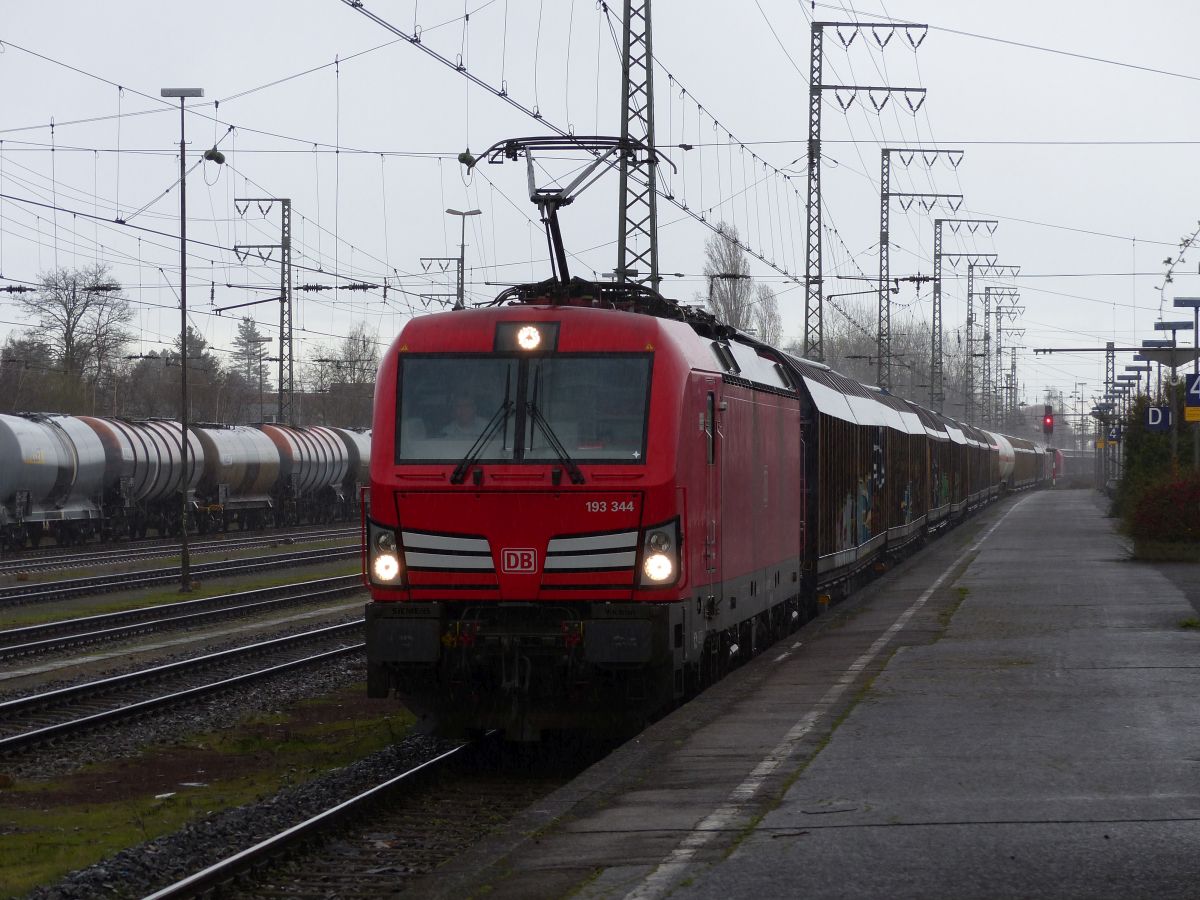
<point x="1086" y="162"/>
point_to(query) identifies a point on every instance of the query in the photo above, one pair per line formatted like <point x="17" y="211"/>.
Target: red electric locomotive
<point x="588" y="501"/>
<point x="549" y="484"/>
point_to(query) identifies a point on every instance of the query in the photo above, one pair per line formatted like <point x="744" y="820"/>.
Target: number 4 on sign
<point x="1193" y="390"/>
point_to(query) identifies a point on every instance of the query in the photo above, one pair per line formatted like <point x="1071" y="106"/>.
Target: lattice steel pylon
<point x="637" y="237"/>
<point x="879" y="95"/>
<point x="987" y="357"/>
<point x="991" y="414"/>
<point x="969" y="400"/>
<point x="287" y="389"/>
<point x="287" y="383"/>
<point x="884" y="333"/>
<point x="937" y="393"/>
<point x="813" y="306"/>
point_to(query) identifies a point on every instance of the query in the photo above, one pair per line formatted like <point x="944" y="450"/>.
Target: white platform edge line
<point x="679" y="863"/>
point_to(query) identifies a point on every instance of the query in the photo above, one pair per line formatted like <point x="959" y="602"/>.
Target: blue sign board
<point x="1192" y="396"/>
<point x="1158" y="418"/>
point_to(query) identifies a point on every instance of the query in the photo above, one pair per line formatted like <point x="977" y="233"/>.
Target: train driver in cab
<point x="465" y="422"/>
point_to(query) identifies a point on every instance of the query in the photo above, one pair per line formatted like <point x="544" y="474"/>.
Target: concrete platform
<point x="1015" y="712"/>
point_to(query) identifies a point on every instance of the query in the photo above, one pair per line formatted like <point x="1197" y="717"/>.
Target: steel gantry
<point x="845" y="95"/>
<point x="1006" y="313"/>
<point x="975" y="269"/>
<point x="989" y="404"/>
<point x="637" y="238"/>
<point x="886" y="195"/>
<point x="937" y="391"/>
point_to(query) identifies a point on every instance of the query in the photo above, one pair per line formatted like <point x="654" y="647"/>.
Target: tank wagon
<point x="589" y="502"/>
<point x="74" y="478"/>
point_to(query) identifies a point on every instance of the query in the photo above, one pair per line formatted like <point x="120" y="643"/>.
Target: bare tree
<point x="342" y="380"/>
<point x="29" y="380"/>
<point x="81" y="315"/>
<point x="358" y="355"/>
<point x="730" y="289"/>
<point x="767" y="320"/>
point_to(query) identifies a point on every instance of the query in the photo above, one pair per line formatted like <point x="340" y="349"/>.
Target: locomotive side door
<point x="712" y="492"/>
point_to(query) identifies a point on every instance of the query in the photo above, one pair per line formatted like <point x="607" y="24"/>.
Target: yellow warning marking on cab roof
<point x="649" y="346"/>
<point x="403" y="349"/>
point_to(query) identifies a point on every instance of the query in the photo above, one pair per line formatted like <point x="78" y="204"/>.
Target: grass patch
<point x="41" y="613"/>
<point x="859" y="696"/>
<point x="946" y="614"/>
<point x="1166" y="551"/>
<point x="219" y="554"/>
<point x="53" y="827"/>
<point x="1192" y="624"/>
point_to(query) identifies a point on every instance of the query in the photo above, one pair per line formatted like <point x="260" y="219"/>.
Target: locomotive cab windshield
<point x="569" y="408"/>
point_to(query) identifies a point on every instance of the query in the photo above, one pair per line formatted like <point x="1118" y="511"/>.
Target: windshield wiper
<point x="499" y="418"/>
<point x="555" y="444"/>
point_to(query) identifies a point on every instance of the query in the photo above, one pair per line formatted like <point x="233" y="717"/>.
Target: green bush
<point x="1147" y="458"/>
<point x="1167" y="511"/>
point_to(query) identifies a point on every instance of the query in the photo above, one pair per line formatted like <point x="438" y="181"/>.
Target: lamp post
<point x="461" y="302"/>
<point x="1152" y="344"/>
<point x="185" y="578"/>
<point x="1174" y="327"/>
<point x="1138" y="370"/>
<point x="1193" y="303"/>
<point x="1080" y="437"/>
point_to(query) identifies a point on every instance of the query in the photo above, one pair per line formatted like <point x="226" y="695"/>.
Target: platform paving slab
<point x="1047" y="746"/>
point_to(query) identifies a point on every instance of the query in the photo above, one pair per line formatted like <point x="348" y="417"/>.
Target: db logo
<point x="518" y="561"/>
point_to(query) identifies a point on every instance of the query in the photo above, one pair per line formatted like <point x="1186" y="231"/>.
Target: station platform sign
<point x="1159" y="418"/>
<point x="1191" y="398"/>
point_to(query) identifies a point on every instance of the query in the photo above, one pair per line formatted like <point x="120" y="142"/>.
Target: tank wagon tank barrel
<point x="78" y="477"/>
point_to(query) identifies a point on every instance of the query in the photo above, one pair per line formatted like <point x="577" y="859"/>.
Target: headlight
<point x="385" y="559"/>
<point x="529" y="338"/>
<point x="386" y="567"/>
<point x="660" y="555"/>
<point x="658" y="567"/>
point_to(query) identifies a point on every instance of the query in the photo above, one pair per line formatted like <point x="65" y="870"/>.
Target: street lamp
<point x="185" y="578"/>
<point x="461" y="302"/>
<point x="260" y="341"/>
<point x="1173" y="327"/>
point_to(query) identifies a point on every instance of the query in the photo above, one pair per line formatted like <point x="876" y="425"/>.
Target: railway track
<point x="71" y="633"/>
<point x="39" y="718"/>
<point x="72" y="587"/>
<point x="68" y="559"/>
<point x="387" y="838"/>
